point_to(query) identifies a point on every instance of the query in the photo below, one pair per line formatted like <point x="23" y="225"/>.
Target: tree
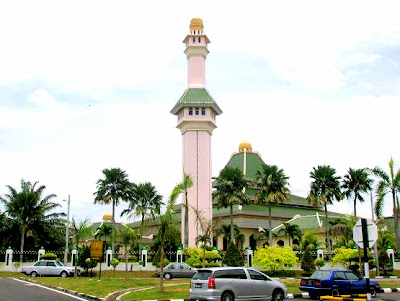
<point x="355" y="183"/>
<point x="324" y="189"/>
<point x="275" y="258"/>
<point x="113" y="188"/>
<point x="182" y="188"/>
<point x="307" y="262"/>
<point x="167" y="229"/>
<point x="229" y="187"/>
<point x="207" y="227"/>
<point x="225" y="230"/>
<point x="309" y="240"/>
<point x="291" y="231"/>
<point x="29" y="207"/>
<point x="273" y="188"/>
<point x="233" y="256"/>
<point x="341" y="229"/>
<point x="388" y="184"/>
<point x="127" y="236"/>
<point x="80" y="231"/>
<point x="144" y="202"/>
<point x="84" y="260"/>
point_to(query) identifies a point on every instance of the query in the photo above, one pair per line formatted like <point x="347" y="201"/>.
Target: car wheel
<point x="277" y="295"/>
<point x="227" y="296"/>
<point x="372" y="291"/>
<point x="64" y="274"/>
<point x="313" y="295"/>
<point x="33" y="274"/>
<point x="167" y="276"/>
<point x="335" y="292"/>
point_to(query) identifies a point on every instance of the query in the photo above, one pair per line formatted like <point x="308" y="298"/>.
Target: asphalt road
<point x="381" y="296"/>
<point x="17" y="290"/>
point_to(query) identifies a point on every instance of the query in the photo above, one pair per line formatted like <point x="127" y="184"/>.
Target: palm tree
<point x="273" y="188"/>
<point x="324" y="189"/>
<point x="127" y="236"/>
<point x="144" y="202"/>
<point x="111" y="189"/>
<point x="207" y="227"/>
<point x="182" y="188"/>
<point x="167" y="229"/>
<point x="355" y="183"/>
<point x="388" y="183"/>
<point x="104" y="231"/>
<point x="80" y="231"/>
<point x="225" y="230"/>
<point x="229" y="190"/>
<point x="29" y="207"/>
<point x="290" y="230"/>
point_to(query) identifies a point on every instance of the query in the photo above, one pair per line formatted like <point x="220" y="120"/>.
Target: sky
<point x="88" y="85"/>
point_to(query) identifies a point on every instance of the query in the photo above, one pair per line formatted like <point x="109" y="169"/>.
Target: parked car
<point x="177" y="270"/>
<point x="48" y="268"/>
<point x="228" y="284"/>
<point x="336" y="282"/>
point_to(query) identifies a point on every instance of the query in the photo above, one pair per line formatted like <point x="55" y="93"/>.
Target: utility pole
<point x="376" y="245"/>
<point x="67" y="235"/>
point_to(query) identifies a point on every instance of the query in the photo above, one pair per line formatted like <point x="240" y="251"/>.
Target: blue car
<point x="335" y="283"/>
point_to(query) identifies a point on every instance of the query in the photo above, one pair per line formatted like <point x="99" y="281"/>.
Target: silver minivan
<point x="229" y="284"/>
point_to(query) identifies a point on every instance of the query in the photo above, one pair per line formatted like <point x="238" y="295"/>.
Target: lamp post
<point x="66" y="234"/>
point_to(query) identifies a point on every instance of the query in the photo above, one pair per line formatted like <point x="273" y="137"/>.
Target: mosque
<point x="197" y="113"/>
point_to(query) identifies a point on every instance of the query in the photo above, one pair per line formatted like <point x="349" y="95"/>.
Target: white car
<point x="48" y="268"/>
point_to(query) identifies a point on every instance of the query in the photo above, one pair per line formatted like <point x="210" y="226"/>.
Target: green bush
<point x="157" y="259"/>
<point x="233" y="257"/>
<point x="196" y="258"/>
<point x="48" y="256"/>
<point x="275" y="258"/>
<point x="385" y="263"/>
<point x="84" y="260"/>
<point x="319" y="263"/>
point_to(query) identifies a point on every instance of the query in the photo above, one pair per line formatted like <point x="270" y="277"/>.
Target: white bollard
<point x="390" y="253"/>
<point x="249" y="252"/>
<point x="74" y="256"/>
<point x="179" y="255"/>
<point x="9" y="258"/>
<point x="108" y="256"/>
<point x="320" y="253"/>
<point x="41" y="252"/>
<point x="144" y="256"/>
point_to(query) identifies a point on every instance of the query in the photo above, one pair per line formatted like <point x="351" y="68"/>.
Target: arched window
<point x="295" y="241"/>
<point x="253" y="242"/>
<point x="203" y="111"/>
<point x="281" y="243"/>
<point x="197" y="111"/>
<point x="194" y="40"/>
<point x="190" y="111"/>
<point x="224" y="243"/>
<point x="199" y="39"/>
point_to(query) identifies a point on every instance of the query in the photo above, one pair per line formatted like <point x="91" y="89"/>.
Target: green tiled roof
<point x="196" y="96"/>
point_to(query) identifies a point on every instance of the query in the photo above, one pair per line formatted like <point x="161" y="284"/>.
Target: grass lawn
<point x="170" y="292"/>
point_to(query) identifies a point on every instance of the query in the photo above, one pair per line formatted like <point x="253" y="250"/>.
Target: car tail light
<point x="211" y="283"/>
<point x="317" y="283"/>
<point x="302" y="282"/>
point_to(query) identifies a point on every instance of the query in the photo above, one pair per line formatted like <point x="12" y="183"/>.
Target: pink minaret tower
<point x="196" y="111"/>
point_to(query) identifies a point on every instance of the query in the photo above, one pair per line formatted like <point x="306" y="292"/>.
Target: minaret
<point x="196" y="111"/>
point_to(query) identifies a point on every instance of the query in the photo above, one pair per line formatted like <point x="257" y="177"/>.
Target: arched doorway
<point x="281" y="243"/>
<point x="253" y="242"/>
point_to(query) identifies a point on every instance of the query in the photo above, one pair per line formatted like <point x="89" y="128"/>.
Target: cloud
<point x="41" y="97"/>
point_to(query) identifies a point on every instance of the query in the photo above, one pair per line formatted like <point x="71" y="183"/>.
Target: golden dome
<point x="245" y="145"/>
<point x="196" y="24"/>
<point x="107" y="216"/>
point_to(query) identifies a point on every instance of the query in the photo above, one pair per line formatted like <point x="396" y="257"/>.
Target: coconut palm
<point x="291" y="230"/>
<point x="225" y="231"/>
<point x="388" y="184"/>
<point x="355" y="183"/>
<point x="324" y="189"/>
<point x="229" y="190"/>
<point x="113" y="188"/>
<point x="273" y="188"/>
<point x="29" y="208"/>
<point x="145" y="202"/>
<point x="104" y="231"/>
<point x="182" y="188"/>
<point x="80" y="232"/>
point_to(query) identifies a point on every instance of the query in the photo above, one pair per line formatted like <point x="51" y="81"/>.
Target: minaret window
<point x="190" y="111"/>
<point x="194" y="40"/>
<point x="197" y="111"/>
<point x="199" y="40"/>
<point x="203" y="111"/>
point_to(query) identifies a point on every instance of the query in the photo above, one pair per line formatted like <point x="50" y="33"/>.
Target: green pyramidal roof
<point x="196" y="96"/>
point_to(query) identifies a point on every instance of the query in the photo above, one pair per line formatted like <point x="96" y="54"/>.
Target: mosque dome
<point x="107" y="216"/>
<point x="245" y="145"/>
<point x="196" y="24"/>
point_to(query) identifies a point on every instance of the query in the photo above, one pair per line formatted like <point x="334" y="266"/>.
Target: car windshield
<point x="202" y="275"/>
<point x="59" y="264"/>
<point x="321" y="275"/>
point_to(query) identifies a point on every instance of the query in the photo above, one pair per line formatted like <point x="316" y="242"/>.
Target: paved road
<point x="17" y="290"/>
<point x="388" y="297"/>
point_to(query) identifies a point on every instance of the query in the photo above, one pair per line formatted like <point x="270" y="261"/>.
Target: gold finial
<point x="107" y="216"/>
<point x="196" y="24"/>
<point x="245" y="145"/>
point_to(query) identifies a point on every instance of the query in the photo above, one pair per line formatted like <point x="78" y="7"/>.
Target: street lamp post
<point x="67" y="235"/>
